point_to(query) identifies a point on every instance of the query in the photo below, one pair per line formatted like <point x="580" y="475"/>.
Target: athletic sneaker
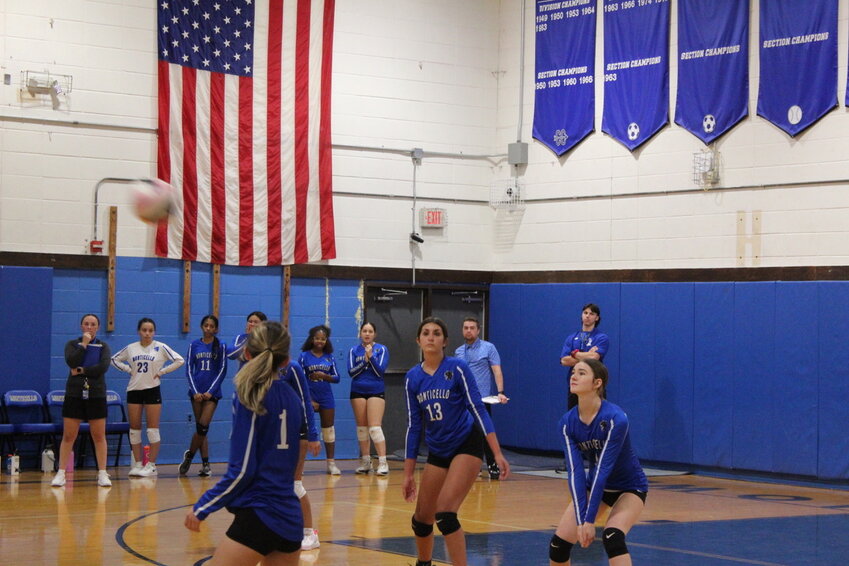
<point x="494" y="472"/>
<point x="365" y="465"/>
<point x="58" y="479"/>
<point x="103" y="479"/>
<point x="382" y="469"/>
<point x="205" y="470"/>
<point x="310" y="541"/>
<point x="186" y="463"/>
<point x="134" y="471"/>
<point x="333" y="470"/>
<point x="148" y="470"/>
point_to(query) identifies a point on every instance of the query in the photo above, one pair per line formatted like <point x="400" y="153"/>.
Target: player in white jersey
<point x="146" y="361"/>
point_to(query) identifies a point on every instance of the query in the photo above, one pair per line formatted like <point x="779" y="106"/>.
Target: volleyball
<point x="152" y="199"/>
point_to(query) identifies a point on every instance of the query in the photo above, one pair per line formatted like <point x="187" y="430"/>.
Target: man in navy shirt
<point x="485" y="363"/>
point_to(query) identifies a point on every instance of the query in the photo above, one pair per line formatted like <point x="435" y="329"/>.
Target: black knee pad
<point x="447" y="522"/>
<point x="201" y="429"/>
<point x="559" y="550"/>
<point x="422" y="529"/>
<point x="614" y="542"/>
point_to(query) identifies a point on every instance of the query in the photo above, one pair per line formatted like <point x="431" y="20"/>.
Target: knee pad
<point x="376" y="434"/>
<point x="299" y="489"/>
<point x="447" y="522"/>
<point x="153" y="435"/>
<point x="362" y="433"/>
<point x="328" y="435"/>
<point x="614" y="542"/>
<point x="135" y="436"/>
<point x="200" y="429"/>
<point x="422" y="529"/>
<point x="559" y="550"/>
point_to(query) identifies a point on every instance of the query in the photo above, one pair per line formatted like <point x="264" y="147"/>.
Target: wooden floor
<point x="692" y="520"/>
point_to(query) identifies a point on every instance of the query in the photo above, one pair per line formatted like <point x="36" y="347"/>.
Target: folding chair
<point x="7" y="431"/>
<point x="25" y="411"/>
<point x="116" y="421"/>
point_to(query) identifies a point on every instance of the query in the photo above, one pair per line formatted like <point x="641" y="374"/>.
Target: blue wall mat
<point x="528" y="325"/>
<point x="833" y="354"/>
<point x="754" y="387"/>
<point x="713" y="373"/>
<point x="26" y="305"/>
<point x="674" y="338"/>
<point x="794" y="442"/>
<point x="637" y="359"/>
<point x="704" y="372"/>
<point x="520" y="380"/>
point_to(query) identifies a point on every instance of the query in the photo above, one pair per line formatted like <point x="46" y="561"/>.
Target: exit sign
<point x="433" y="218"/>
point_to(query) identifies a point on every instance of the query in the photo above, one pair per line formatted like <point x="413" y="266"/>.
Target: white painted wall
<point x="441" y="75"/>
<point x="799" y="225"/>
<point x="417" y="73"/>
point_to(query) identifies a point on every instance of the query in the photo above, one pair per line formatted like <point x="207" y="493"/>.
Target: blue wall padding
<point x="751" y="376"/>
<point x="833" y="358"/>
<point x="751" y="342"/>
<point x="637" y="358"/>
<point x="713" y="374"/>
<point x="737" y="375"/>
<point x="673" y="422"/>
<point x="794" y="445"/>
<point x="26" y="305"/>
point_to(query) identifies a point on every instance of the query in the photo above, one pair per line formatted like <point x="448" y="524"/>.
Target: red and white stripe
<point x="251" y="157"/>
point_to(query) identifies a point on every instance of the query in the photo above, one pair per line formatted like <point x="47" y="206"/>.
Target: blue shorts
<point x="321" y="394"/>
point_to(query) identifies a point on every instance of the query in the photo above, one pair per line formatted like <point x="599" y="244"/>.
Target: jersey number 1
<point x="284" y="444"/>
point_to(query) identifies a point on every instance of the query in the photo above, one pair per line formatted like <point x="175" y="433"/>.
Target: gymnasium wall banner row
<point x="798" y="67"/>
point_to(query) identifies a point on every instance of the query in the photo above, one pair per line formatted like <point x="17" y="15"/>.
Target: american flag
<point x="244" y="130"/>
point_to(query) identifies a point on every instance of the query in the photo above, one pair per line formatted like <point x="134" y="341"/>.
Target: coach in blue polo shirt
<point x="485" y="362"/>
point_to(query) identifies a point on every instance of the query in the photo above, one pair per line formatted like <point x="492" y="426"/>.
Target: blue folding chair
<point x="116" y="421"/>
<point x="25" y="412"/>
<point x="7" y="431"/>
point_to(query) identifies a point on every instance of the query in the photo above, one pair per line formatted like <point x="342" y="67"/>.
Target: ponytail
<point x="268" y="347"/>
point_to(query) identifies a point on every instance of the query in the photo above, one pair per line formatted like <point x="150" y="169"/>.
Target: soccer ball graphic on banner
<point x="708" y="123"/>
<point x="633" y="131"/>
<point x="153" y="199"/>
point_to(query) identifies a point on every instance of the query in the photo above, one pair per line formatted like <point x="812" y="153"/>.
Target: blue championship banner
<point x="798" y="83"/>
<point x="636" y="69"/>
<point x="713" y="65"/>
<point x="564" y="105"/>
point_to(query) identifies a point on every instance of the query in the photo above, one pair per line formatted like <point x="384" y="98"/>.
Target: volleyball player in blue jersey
<point x="442" y="397"/>
<point x="597" y="430"/>
<point x="236" y="352"/>
<point x="293" y="374"/>
<point x="588" y="343"/>
<point x="206" y="366"/>
<point x="320" y="368"/>
<point x="259" y="486"/>
<point x="366" y="366"/>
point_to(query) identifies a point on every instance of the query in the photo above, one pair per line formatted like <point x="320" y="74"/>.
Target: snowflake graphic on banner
<point x="560" y="137"/>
